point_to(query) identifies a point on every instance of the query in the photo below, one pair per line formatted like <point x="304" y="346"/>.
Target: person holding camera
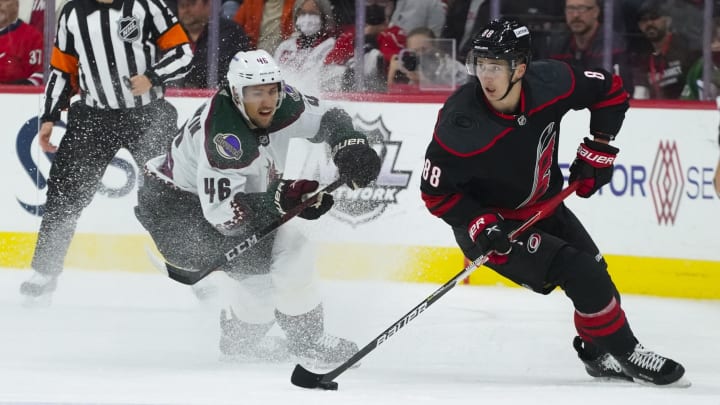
<point x="422" y="62"/>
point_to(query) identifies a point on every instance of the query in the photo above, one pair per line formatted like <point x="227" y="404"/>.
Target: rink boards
<point x="656" y="222"/>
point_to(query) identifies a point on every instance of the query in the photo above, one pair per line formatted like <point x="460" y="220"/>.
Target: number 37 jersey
<point x="480" y="160"/>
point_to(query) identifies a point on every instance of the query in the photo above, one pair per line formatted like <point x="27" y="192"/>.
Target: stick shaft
<point x="545" y="209"/>
<point x="190" y="277"/>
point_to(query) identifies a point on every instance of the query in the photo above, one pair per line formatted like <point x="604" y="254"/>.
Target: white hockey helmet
<point x="252" y="68"/>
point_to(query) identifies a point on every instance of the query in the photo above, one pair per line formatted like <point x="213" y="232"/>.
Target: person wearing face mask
<point x="305" y="51"/>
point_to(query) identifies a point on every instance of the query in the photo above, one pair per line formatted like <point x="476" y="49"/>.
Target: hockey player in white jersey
<point x="222" y="179"/>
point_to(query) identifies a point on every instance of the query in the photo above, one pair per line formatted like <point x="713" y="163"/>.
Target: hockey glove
<point x="358" y="164"/>
<point x="593" y="166"/>
<point x="290" y="193"/>
<point x="490" y="233"/>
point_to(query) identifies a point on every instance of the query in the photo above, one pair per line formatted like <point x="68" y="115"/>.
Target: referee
<point x="116" y="56"/>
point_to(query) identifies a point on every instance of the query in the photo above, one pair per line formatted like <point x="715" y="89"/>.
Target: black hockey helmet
<point x="503" y="38"/>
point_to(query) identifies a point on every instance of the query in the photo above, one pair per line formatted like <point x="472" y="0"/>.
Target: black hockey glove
<point x="490" y="233"/>
<point x="593" y="166"/>
<point x="358" y="164"/>
<point x="291" y="193"/>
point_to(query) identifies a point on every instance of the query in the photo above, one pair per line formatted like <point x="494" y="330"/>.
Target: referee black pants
<point x="92" y="138"/>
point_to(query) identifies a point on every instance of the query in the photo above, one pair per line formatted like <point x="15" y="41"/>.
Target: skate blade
<point x="683" y="382"/>
<point x="614" y="380"/>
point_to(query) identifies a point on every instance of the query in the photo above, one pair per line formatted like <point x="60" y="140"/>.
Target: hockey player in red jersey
<point x="20" y="48"/>
<point x="494" y="157"/>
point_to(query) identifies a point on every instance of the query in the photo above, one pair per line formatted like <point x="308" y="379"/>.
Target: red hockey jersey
<point x="21" y="54"/>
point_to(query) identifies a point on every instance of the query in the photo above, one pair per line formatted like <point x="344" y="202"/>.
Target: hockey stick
<point x="307" y="379"/>
<point x="191" y="277"/>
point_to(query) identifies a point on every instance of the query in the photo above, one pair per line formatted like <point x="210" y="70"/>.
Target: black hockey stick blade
<point x="304" y="378"/>
<point x="190" y="277"/>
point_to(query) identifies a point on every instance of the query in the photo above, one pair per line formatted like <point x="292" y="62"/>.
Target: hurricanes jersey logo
<point x="129" y="29"/>
<point x="543" y="164"/>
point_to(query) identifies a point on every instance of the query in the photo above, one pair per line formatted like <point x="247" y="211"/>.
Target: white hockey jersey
<point x="217" y="155"/>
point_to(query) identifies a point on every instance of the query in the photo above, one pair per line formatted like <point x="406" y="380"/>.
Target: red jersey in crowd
<point x="21" y="54"/>
<point x="37" y="15"/>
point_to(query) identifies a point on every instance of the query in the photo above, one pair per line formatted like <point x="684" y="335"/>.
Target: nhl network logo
<point x="667" y="182"/>
<point x="365" y="204"/>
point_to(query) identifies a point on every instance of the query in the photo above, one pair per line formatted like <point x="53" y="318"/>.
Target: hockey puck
<point x="328" y="385"/>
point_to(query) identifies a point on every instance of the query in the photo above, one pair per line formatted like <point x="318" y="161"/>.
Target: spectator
<point x="411" y="14"/>
<point x="20" y="48"/>
<point x="663" y="71"/>
<point x="693" y="89"/>
<point x="583" y="46"/>
<point x="422" y="62"/>
<point x="381" y="43"/>
<point x="305" y="51"/>
<point x="686" y="17"/>
<point x="464" y="18"/>
<point x="194" y="16"/>
<point x="266" y="22"/>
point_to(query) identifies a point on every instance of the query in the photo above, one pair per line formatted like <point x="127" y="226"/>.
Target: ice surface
<point x="126" y="338"/>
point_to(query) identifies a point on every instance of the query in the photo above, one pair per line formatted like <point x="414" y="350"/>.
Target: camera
<point x="409" y="60"/>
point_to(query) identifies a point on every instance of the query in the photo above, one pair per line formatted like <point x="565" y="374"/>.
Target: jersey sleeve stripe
<point x="616" y="85"/>
<point x="439" y="205"/>
<point x="173" y="37"/>
<point x="64" y="62"/>
<point x="617" y="100"/>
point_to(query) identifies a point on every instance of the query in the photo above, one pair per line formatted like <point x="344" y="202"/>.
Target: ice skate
<point x="599" y="364"/>
<point x="247" y="343"/>
<point x="38" y="289"/>
<point x="326" y="351"/>
<point x="648" y="367"/>
<point x="308" y="340"/>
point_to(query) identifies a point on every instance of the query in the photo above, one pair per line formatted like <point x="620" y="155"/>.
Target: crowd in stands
<point x="656" y="44"/>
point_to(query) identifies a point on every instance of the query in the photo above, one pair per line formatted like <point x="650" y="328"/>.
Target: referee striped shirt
<point x="99" y="46"/>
